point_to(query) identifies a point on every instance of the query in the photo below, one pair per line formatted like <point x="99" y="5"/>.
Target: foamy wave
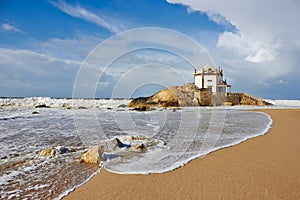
<point x="63" y="103"/>
<point x="190" y="143"/>
<point x="284" y="103"/>
<point x="172" y="140"/>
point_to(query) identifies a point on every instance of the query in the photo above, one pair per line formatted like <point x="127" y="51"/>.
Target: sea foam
<point x="184" y="135"/>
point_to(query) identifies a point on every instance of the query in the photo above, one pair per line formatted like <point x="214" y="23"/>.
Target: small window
<point x="209" y="81"/>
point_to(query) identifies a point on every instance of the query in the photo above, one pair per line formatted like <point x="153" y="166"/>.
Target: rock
<point x="142" y="108"/>
<point x="175" y="109"/>
<point x="7" y="104"/>
<point x="35" y="112"/>
<point x="139" y="148"/>
<point x="13" y="155"/>
<point x="93" y="155"/>
<point x="42" y="106"/>
<point x="82" y="107"/>
<point x="121" y="144"/>
<point x="62" y="150"/>
<point x="46" y="152"/>
<point x="122" y="106"/>
<point x="134" y="138"/>
<point x="190" y="95"/>
<point x="54" y="151"/>
<point x="227" y="103"/>
<point x="175" y="96"/>
<point x="137" y="102"/>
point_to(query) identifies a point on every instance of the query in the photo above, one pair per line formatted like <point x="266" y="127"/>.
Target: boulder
<point x="54" y="151"/>
<point x="139" y="148"/>
<point x="227" y="103"/>
<point x="93" y="155"/>
<point x="142" y="108"/>
<point x="46" y="152"/>
<point x="42" y="106"/>
<point x="137" y="102"/>
<point x="175" y="96"/>
<point x="82" y="107"/>
<point x="122" y="106"/>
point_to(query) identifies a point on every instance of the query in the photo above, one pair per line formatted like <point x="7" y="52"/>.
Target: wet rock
<point x="54" y="151"/>
<point x="122" y="106"/>
<point x="13" y="155"/>
<point x="133" y="138"/>
<point x="93" y="155"/>
<point x="174" y="110"/>
<point x="139" y="148"/>
<point x="227" y="103"/>
<point x="46" y="152"/>
<point x="142" y="108"/>
<point x="121" y="144"/>
<point x="42" y="106"/>
<point x="7" y="104"/>
<point x="82" y="107"/>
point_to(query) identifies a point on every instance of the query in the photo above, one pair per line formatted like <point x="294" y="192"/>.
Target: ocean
<point x="173" y="138"/>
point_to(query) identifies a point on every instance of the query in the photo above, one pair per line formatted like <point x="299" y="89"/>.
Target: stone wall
<point x="203" y="96"/>
<point x="245" y="99"/>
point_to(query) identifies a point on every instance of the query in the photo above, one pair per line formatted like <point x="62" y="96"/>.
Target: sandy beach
<point x="265" y="167"/>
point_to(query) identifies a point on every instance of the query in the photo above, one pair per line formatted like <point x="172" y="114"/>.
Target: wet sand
<point x="265" y="167"/>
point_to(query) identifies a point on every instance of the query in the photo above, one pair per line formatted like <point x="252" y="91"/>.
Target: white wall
<point x="213" y="83"/>
<point x="198" y="81"/>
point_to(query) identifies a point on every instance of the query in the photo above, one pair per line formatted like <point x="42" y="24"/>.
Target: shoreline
<point x="260" y="167"/>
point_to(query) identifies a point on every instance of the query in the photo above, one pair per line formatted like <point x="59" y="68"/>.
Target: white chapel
<point x="211" y="78"/>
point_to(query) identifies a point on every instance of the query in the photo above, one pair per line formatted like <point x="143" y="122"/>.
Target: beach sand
<point x="265" y="167"/>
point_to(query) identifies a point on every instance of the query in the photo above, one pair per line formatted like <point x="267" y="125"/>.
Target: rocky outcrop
<point x="93" y="155"/>
<point x="175" y="96"/>
<point x="190" y="95"/>
<point x="245" y="99"/>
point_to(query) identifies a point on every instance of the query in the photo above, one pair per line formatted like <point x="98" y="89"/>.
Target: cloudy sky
<point x="44" y="44"/>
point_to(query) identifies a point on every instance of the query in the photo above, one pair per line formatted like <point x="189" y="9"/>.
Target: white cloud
<point x="25" y="72"/>
<point x="263" y="49"/>
<point x="76" y="48"/>
<point x="82" y="13"/>
<point x="281" y="82"/>
<point x="9" y="27"/>
<point x="264" y="26"/>
<point x="217" y="18"/>
<point x="29" y="59"/>
<point x="253" y="51"/>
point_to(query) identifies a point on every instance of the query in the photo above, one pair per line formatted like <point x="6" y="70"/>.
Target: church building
<point x="211" y="78"/>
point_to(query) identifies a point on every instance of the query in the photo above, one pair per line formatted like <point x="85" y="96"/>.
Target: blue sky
<point x="43" y="43"/>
